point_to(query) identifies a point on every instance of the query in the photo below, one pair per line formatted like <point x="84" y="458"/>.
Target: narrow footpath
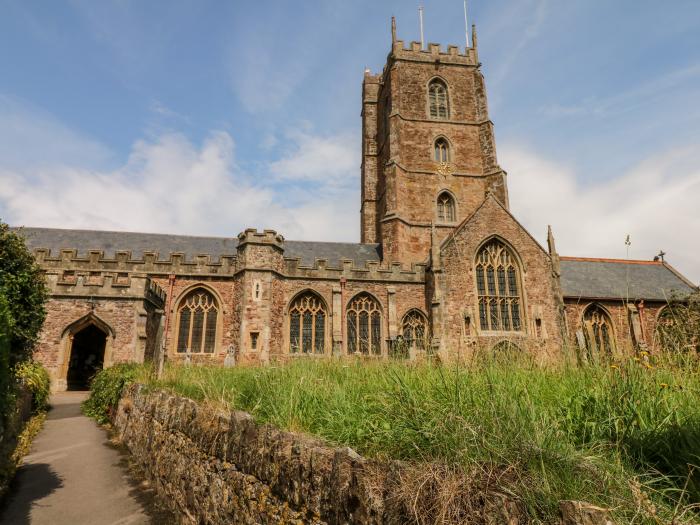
<point x="74" y="476"/>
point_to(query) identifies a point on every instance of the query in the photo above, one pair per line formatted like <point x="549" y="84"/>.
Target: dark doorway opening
<point x="86" y="357"/>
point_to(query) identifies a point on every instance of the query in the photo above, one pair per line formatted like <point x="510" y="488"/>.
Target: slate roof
<point x="607" y="278"/>
<point x="585" y="278"/>
<point x="110" y="242"/>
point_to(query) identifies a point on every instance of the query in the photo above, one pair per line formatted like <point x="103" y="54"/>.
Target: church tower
<point x="428" y="148"/>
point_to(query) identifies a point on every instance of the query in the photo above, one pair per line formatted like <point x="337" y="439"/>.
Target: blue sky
<point x="208" y="117"/>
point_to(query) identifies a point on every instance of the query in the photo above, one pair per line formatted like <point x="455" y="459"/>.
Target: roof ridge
<point x="84" y="230"/>
<point x="233" y="237"/>
<point x="604" y="259"/>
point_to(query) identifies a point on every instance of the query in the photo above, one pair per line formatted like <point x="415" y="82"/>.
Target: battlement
<point x="253" y="236"/>
<point x="94" y="283"/>
<point x="123" y="263"/>
<point x="371" y="271"/>
<point x="433" y="52"/>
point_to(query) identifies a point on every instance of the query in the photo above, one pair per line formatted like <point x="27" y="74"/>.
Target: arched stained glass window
<point x="364" y="324"/>
<point x="437" y="100"/>
<point x="597" y="330"/>
<point x="414" y="329"/>
<point x="307" y="325"/>
<point x="198" y="315"/>
<point x="445" y="208"/>
<point x="498" y="288"/>
<point x="442" y="150"/>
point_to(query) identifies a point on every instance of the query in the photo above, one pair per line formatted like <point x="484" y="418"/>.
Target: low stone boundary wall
<point x="211" y="466"/>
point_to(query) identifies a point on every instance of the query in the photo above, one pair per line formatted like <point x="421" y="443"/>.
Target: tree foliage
<point x="22" y="285"/>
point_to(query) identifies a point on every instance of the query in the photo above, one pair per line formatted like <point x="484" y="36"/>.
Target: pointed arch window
<point x="198" y="316"/>
<point x="597" y="331"/>
<point x="498" y="288"/>
<point x="364" y="325"/>
<point x="446" y="208"/>
<point x="437" y="100"/>
<point x="414" y="328"/>
<point x="442" y="150"/>
<point x="307" y="325"/>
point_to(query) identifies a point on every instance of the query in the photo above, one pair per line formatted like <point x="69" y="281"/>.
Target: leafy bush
<point x="106" y="389"/>
<point x="22" y="284"/>
<point x="6" y="379"/>
<point x="35" y="377"/>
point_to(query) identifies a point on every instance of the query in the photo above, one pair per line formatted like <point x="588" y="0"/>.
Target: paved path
<point x="73" y="476"/>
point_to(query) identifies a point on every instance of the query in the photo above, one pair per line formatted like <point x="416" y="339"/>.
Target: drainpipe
<point x="171" y="282"/>
<point x="343" y="335"/>
<point x="640" y="307"/>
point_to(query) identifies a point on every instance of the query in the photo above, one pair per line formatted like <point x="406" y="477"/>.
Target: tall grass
<point x="624" y="436"/>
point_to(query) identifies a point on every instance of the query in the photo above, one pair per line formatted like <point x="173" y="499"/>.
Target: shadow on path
<point x="32" y="482"/>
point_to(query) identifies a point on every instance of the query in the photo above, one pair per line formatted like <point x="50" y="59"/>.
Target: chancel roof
<point x="621" y="279"/>
<point x="110" y="242"/>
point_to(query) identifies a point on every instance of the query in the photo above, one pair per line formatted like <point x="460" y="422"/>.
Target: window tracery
<point x="498" y="288"/>
<point x="307" y="325"/>
<point x="364" y="325"/>
<point x="198" y="315"/>
<point x="414" y="329"/>
<point x="437" y="98"/>
<point x="598" y="333"/>
<point x="442" y="151"/>
<point x="445" y="208"/>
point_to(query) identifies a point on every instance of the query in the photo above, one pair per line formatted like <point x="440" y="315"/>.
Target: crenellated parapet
<point x="265" y="237"/>
<point x="371" y="271"/>
<point x="69" y="260"/>
<point x="452" y="54"/>
<point x="103" y="285"/>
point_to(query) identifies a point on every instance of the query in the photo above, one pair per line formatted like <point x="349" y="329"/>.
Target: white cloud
<point x="330" y="160"/>
<point x="656" y="202"/>
<point x="171" y="185"/>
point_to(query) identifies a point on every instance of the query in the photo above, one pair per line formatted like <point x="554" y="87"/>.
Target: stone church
<point x="442" y="269"/>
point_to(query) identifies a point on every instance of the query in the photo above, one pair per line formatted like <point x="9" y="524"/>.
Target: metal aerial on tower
<point x="420" y="18"/>
<point x="466" y="24"/>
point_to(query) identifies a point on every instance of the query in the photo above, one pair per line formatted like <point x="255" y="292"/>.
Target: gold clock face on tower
<point x="444" y="168"/>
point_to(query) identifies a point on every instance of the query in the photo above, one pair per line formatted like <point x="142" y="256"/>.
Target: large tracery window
<point x="597" y="330"/>
<point x="198" y="315"/>
<point x="364" y="323"/>
<point x="437" y="99"/>
<point x="442" y="150"/>
<point x="307" y="325"/>
<point x="498" y="287"/>
<point x="414" y="329"/>
<point x="445" y="208"/>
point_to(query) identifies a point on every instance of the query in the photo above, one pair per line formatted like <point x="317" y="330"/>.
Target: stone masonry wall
<point x="620" y="317"/>
<point x="213" y="466"/>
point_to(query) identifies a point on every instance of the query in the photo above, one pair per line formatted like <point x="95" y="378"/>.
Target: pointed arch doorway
<point x="87" y="356"/>
<point x="87" y="349"/>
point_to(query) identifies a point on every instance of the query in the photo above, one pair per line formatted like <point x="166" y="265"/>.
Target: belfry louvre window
<point x="597" y="330"/>
<point x="307" y="325"/>
<point x="442" y="150"/>
<point x="364" y="324"/>
<point x="498" y="288"/>
<point x="437" y="99"/>
<point x="445" y="208"/>
<point x="198" y="315"/>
